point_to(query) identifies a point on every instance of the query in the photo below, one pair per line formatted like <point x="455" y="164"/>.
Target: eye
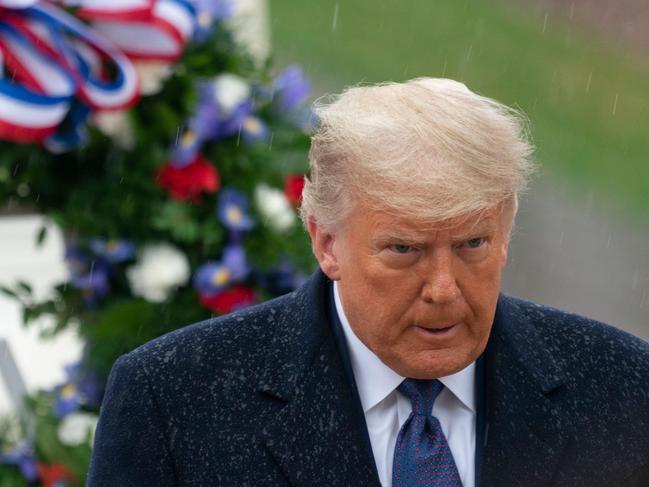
<point x="401" y="248"/>
<point x="475" y="243"/>
<point x="474" y="249"/>
<point x="400" y="255"/>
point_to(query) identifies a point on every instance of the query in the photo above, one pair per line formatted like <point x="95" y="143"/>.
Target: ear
<point x="508" y="214"/>
<point x="322" y="243"/>
<point x="505" y="252"/>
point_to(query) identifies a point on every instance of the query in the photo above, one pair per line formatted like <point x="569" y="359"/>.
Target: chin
<point x="441" y="364"/>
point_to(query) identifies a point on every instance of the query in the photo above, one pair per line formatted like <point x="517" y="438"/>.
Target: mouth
<point x="437" y="331"/>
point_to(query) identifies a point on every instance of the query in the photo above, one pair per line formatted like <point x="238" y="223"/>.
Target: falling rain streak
<point x="545" y="23"/>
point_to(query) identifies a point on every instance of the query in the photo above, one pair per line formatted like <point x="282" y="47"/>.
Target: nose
<point x="440" y="280"/>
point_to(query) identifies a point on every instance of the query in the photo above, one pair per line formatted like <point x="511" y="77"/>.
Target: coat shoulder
<point x="586" y="347"/>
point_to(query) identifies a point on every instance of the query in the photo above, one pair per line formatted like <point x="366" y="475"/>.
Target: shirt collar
<point x="375" y="380"/>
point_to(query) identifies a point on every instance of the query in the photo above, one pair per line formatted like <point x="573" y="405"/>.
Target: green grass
<point x="588" y="101"/>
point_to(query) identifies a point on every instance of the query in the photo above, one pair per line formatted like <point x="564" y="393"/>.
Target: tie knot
<point x="422" y="394"/>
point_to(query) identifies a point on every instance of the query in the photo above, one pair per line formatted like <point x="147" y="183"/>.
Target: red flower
<point x="232" y="299"/>
<point x="51" y="475"/>
<point x="188" y="182"/>
<point x="293" y="189"/>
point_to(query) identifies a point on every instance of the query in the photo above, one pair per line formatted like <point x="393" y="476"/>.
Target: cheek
<point x="380" y="283"/>
<point x="480" y="286"/>
<point x="394" y="291"/>
<point x="381" y="304"/>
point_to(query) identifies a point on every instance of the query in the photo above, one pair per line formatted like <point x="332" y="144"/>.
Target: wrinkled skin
<point x="421" y="296"/>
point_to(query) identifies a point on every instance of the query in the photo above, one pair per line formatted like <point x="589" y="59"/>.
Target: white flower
<point x="230" y="91"/>
<point x="152" y="75"/>
<point x="160" y="269"/>
<point x="117" y="126"/>
<point x="274" y="208"/>
<point x="76" y="428"/>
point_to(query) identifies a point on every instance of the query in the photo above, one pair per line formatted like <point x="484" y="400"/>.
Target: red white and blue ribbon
<point x="114" y="9"/>
<point x="50" y="60"/>
<point x="36" y="99"/>
<point x="16" y="3"/>
<point x="162" y="35"/>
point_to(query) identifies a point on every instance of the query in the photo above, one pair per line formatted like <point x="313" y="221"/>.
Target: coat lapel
<point x="525" y="429"/>
<point x="317" y="436"/>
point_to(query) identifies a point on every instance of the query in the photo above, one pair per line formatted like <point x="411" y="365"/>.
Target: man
<point x="398" y="362"/>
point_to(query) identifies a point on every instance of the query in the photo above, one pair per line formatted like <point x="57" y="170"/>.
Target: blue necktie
<point x="422" y="456"/>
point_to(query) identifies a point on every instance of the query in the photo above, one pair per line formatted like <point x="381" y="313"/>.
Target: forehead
<point x="380" y="224"/>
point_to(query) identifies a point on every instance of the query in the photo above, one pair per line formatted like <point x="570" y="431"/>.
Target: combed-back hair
<point x="430" y="148"/>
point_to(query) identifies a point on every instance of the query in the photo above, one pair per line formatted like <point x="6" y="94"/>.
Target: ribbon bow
<point x="53" y="65"/>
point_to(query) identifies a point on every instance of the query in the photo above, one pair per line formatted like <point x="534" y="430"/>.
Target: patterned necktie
<point x="422" y="456"/>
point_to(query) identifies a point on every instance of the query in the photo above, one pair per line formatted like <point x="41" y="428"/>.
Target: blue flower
<point x="212" y="121"/>
<point x="213" y="277"/>
<point x="205" y="123"/>
<point x="67" y="401"/>
<point x="114" y="251"/>
<point x="291" y="88"/>
<point x="91" y="276"/>
<point x="186" y="148"/>
<point x="95" y="284"/>
<point x="82" y="388"/>
<point x="232" y="210"/>
<point x="254" y="129"/>
<point x="208" y="12"/>
<point x="22" y="458"/>
<point x="234" y="257"/>
<point x="76" y="260"/>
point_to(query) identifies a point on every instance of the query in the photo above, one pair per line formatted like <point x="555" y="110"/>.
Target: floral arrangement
<point x="174" y="168"/>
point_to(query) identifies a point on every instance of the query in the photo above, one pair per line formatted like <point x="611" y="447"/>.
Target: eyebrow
<point x="400" y="234"/>
<point x="486" y="225"/>
<point x="409" y="235"/>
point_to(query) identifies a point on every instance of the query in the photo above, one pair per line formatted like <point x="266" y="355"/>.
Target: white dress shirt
<point x="386" y="409"/>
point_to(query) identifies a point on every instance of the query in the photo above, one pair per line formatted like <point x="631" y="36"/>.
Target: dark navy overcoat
<point x="264" y="397"/>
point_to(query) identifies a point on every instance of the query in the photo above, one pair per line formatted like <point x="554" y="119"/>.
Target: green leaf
<point x="10" y="477"/>
<point x="120" y="327"/>
<point x="213" y="237"/>
<point x="41" y="235"/>
<point x="24" y="287"/>
<point x="186" y="231"/>
<point x="5" y="290"/>
<point x="177" y="219"/>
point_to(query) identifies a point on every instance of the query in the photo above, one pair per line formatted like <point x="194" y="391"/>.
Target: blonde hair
<point x="428" y="147"/>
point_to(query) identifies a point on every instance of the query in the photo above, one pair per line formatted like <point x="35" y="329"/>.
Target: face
<point x="421" y="296"/>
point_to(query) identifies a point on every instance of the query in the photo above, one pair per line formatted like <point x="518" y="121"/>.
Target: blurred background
<point x="578" y="70"/>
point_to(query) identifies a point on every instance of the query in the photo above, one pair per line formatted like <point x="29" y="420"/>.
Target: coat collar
<point x="318" y="436"/>
<point x="526" y="426"/>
